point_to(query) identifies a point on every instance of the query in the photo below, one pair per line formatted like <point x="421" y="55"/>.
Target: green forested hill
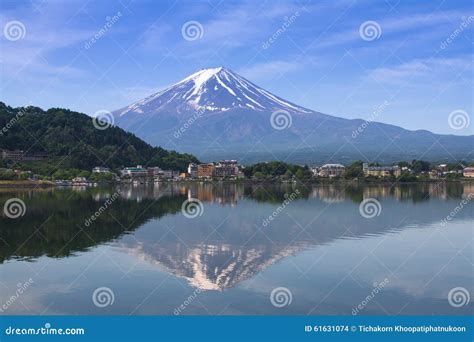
<point x="71" y="140"/>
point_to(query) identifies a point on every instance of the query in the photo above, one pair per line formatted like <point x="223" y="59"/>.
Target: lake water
<point x="250" y="250"/>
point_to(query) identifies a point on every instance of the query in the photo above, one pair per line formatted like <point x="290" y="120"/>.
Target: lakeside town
<point x="231" y="170"/>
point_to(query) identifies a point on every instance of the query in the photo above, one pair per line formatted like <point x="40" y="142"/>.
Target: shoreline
<point x="49" y="184"/>
<point x="26" y="184"/>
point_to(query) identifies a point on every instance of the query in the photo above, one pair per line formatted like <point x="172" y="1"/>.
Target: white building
<point x="226" y="168"/>
<point x="100" y="169"/>
<point x="193" y="170"/>
<point x="134" y="172"/>
<point x="331" y="170"/>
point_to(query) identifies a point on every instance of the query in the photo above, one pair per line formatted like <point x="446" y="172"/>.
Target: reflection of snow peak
<point x="211" y="90"/>
<point x="213" y="267"/>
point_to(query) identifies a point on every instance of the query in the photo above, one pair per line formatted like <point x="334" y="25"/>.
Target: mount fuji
<point x="216" y="113"/>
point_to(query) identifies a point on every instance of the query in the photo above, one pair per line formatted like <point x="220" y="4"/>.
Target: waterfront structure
<point x="226" y="168"/>
<point x="442" y="168"/>
<point x="439" y="171"/>
<point x="468" y="172"/>
<point x="134" y="172"/>
<point x="381" y="171"/>
<point x="169" y="174"/>
<point x="19" y="155"/>
<point x="205" y="170"/>
<point x="100" y="169"/>
<point x="153" y="172"/>
<point x="193" y="170"/>
<point x="331" y="170"/>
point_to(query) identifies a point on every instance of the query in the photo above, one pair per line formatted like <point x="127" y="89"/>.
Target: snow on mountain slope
<point x="216" y="113"/>
<point x="211" y="90"/>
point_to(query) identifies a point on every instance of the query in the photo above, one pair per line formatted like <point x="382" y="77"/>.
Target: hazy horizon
<point x="89" y="57"/>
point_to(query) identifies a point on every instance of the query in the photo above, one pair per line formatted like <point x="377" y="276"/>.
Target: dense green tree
<point x="72" y="141"/>
<point x="354" y="170"/>
<point x="420" y="165"/>
<point x="278" y="169"/>
<point x="403" y="164"/>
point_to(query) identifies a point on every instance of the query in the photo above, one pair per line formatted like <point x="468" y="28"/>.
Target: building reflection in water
<point x="240" y="249"/>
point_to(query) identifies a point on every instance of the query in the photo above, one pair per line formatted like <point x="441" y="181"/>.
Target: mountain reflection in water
<point x="227" y="244"/>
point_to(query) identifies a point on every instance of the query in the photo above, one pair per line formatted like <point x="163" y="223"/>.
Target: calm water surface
<point x="227" y="261"/>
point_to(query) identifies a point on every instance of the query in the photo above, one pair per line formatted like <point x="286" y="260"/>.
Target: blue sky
<point x="318" y="59"/>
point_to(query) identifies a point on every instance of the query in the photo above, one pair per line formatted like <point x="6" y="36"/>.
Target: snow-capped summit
<point x="211" y="90"/>
<point x="216" y="113"/>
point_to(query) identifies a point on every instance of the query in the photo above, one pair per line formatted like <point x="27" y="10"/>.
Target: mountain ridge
<point x="227" y="116"/>
<point x="76" y="141"/>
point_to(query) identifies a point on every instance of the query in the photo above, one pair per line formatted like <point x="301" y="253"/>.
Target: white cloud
<point x="45" y="33"/>
<point x="390" y="26"/>
<point x="270" y="69"/>
<point x="418" y="69"/>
